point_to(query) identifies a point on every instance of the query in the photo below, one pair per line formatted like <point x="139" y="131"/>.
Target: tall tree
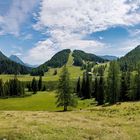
<point x="113" y="82"/>
<point x="138" y="83"/>
<point x="87" y="87"/>
<point x="34" y="86"/>
<point x="64" y="96"/>
<point x="40" y="83"/>
<point x="1" y="88"/>
<point x="125" y="86"/>
<point x="78" y="88"/>
<point x="100" y="91"/>
<point x="83" y="87"/>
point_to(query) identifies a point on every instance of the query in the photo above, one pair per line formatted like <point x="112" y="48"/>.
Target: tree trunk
<point x="65" y="108"/>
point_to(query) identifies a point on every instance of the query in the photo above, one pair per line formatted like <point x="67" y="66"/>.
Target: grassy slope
<point x="73" y="70"/>
<point x="108" y="123"/>
<point x="118" y="122"/>
<point x="42" y="101"/>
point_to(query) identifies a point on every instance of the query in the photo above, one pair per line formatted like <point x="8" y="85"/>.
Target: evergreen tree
<point x="138" y="82"/>
<point x="83" y="88"/>
<point x="95" y="87"/>
<point x="1" y="88"/>
<point x="113" y="82"/>
<point x="34" y="86"/>
<point x="87" y="87"/>
<point x="100" y="91"/>
<point x="78" y="88"/>
<point x="40" y="83"/>
<point x="125" y="86"/>
<point x="64" y="96"/>
<point x="133" y="88"/>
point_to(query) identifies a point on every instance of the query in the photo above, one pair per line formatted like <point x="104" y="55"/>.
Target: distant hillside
<point x="19" y="61"/>
<point x="16" y="59"/>
<point x="2" y="56"/>
<point x="130" y="60"/>
<point x="109" y="57"/>
<point x="81" y="56"/>
<point x="10" y="67"/>
<point x="58" y="60"/>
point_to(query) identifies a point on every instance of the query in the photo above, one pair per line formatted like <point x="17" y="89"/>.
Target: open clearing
<point x="118" y="122"/>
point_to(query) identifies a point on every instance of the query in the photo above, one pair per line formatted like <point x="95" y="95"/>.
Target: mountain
<point x="19" y="61"/>
<point x="10" y="67"/>
<point x="2" y="57"/>
<point x="61" y="58"/>
<point x="109" y="57"/>
<point x="130" y="60"/>
<point x="58" y="60"/>
<point x="80" y="57"/>
<point x="16" y="59"/>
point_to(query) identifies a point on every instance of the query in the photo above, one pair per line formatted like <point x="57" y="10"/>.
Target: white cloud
<point x="27" y="37"/>
<point x="68" y="22"/>
<point x="38" y="55"/>
<point x="17" y="14"/>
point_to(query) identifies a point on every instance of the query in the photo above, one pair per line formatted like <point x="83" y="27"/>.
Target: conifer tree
<point x="34" y="86"/>
<point x="114" y="82"/>
<point x="1" y="88"/>
<point x="64" y="96"/>
<point x="87" y="87"/>
<point x="40" y="83"/>
<point x="138" y="83"/>
<point x="83" y="87"/>
<point x="100" y="91"/>
<point x="78" y="88"/>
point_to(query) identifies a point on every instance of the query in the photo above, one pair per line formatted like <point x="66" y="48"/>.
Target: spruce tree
<point x="83" y="87"/>
<point x="138" y="83"/>
<point x="113" y="82"/>
<point x="100" y="91"/>
<point x="78" y="88"/>
<point x="87" y="87"/>
<point x="40" y="83"/>
<point x="1" y="88"/>
<point x="34" y="86"/>
<point x="64" y="96"/>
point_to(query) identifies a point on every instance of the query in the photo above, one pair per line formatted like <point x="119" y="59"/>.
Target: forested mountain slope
<point x="81" y="56"/>
<point x="9" y="67"/>
<point x="130" y="60"/>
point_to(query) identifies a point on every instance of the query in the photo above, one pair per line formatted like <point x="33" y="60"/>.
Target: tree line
<point x="11" y="88"/>
<point x="14" y="87"/>
<point x="36" y="85"/>
<point x="111" y="86"/>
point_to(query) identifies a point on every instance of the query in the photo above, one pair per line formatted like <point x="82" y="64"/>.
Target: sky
<point x="35" y="30"/>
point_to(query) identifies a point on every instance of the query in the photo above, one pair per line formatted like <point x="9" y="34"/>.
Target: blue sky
<point x="36" y="30"/>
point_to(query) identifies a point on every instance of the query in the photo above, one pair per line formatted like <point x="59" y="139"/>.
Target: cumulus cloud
<point x="43" y="50"/>
<point x="68" y="22"/>
<point x="17" y="14"/>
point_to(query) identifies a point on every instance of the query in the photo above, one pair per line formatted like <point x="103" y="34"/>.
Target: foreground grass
<point x="41" y="101"/>
<point x="118" y="122"/>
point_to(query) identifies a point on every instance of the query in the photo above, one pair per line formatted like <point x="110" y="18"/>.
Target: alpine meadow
<point x="70" y="70"/>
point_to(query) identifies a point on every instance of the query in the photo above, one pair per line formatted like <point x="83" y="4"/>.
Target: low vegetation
<point x="105" y="123"/>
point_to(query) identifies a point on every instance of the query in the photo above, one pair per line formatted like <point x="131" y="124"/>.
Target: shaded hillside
<point x="57" y="61"/>
<point x="16" y="59"/>
<point x="9" y="67"/>
<point x="130" y="60"/>
<point x="81" y="56"/>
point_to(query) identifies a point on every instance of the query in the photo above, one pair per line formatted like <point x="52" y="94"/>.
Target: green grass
<point x="118" y="122"/>
<point x="74" y="71"/>
<point x="42" y="101"/>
